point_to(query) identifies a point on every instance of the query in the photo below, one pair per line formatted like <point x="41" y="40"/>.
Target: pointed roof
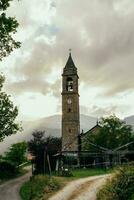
<point x="90" y="131"/>
<point x="70" y="68"/>
<point x="70" y="62"/>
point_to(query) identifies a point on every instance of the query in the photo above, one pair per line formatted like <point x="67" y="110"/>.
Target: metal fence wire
<point x="87" y="159"/>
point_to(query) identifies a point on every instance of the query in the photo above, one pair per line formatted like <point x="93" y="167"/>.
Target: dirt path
<point x="82" y="189"/>
<point x="10" y="189"/>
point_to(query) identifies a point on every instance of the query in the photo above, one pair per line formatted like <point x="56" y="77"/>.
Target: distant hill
<point x="51" y="125"/>
<point x="130" y="120"/>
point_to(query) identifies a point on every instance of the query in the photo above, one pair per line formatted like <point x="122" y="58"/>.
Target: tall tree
<point x="8" y="27"/>
<point x="41" y="146"/>
<point x="113" y="134"/>
<point x="8" y="114"/>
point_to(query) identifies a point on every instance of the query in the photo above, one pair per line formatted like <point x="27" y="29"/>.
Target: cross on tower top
<point x="70" y="50"/>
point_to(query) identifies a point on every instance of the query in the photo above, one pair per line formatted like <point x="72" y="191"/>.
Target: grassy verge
<point x="120" y="186"/>
<point x="40" y="187"/>
<point x="81" y="173"/>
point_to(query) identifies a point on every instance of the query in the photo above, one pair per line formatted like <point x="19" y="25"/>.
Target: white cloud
<point x="101" y="36"/>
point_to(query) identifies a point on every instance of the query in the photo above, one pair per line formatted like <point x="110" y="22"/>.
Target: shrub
<point x="132" y="197"/>
<point x="66" y="172"/>
<point x="120" y="186"/>
<point x="7" y="169"/>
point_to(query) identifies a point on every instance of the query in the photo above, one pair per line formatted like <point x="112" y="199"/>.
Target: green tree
<point x="41" y="146"/>
<point x="113" y="134"/>
<point x="17" y="153"/>
<point x="8" y="114"/>
<point x="8" y="27"/>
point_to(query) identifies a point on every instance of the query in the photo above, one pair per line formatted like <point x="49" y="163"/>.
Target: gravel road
<point x="10" y="189"/>
<point x="82" y="189"/>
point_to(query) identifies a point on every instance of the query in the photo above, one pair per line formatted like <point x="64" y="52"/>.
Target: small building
<point x="94" y="130"/>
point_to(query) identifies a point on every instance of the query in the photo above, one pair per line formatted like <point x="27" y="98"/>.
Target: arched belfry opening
<point x="69" y="84"/>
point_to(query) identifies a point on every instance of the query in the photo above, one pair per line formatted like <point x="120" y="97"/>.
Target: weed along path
<point x="82" y="189"/>
<point x="10" y="189"/>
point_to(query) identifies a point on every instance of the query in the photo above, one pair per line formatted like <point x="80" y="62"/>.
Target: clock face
<point x="69" y="101"/>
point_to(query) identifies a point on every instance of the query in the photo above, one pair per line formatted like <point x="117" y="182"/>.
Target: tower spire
<point x="70" y="50"/>
<point x="70" y="63"/>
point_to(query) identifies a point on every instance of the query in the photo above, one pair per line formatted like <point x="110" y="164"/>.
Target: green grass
<point x="81" y="173"/>
<point x="39" y="187"/>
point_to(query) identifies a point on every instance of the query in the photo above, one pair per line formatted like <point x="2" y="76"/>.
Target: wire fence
<point x="90" y="160"/>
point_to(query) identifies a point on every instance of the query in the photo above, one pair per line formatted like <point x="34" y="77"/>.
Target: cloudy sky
<point x="101" y="35"/>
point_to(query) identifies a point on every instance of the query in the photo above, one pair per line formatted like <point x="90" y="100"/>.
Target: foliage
<point x="8" y="114"/>
<point x="120" y="186"/>
<point x="8" y="26"/>
<point x="36" y="148"/>
<point x="17" y="153"/>
<point x="39" y="187"/>
<point x="40" y="142"/>
<point x="132" y="197"/>
<point x="113" y="134"/>
<point x="7" y="169"/>
<point x="41" y="146"/>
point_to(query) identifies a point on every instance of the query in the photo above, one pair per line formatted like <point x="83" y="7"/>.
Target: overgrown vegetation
<point x="112" y="134"/>
<point x="120" y="186"/>
<point x="11" y="161"/>
<point x="39" y="187"/>
<point x="42" y="148"/>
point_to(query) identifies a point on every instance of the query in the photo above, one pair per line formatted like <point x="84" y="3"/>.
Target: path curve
<point x="10" y="189"/>
<point x="82" y="189"/>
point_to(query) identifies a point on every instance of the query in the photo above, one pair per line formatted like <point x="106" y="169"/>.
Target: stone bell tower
<point x="70" y="107"/>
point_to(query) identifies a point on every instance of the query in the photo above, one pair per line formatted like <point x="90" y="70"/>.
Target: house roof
<point x="90" y="130"/>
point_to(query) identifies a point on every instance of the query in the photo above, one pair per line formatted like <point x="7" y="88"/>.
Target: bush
<point x="132" y="197"/>
<point x="120" y="186"/>
<point x="66" y="172"/>
<point x="7" y="169"/>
